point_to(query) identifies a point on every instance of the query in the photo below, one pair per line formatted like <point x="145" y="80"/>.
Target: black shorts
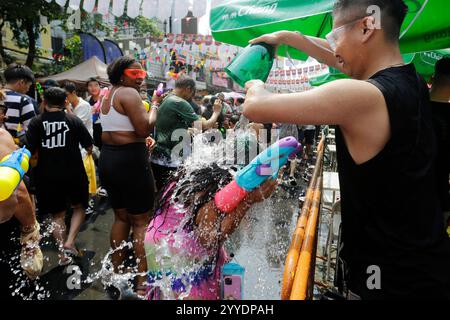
<point x="309" y="136"/>
<point x="126" y="174"/>
<point x="97" y="127"/>
<point x="54" y="196"/>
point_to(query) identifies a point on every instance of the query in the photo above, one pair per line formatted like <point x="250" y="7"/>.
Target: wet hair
<point x="240" y="100"/>
<point x="55" y="97"/>
<point x="393" y="13"/>
<point x="16" y="72"/>
<point x="117" y="67"/>
<point x="442" y="68"/>
<point x="92" y="79"/>
<point x="208" y="180"/>
<point x="69" y="86"/>
<point x="185" y="82"/>
<point x="234" y="119"/>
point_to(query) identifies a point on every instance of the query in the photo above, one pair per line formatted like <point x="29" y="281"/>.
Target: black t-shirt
<point x="56" y="137"/>
<point x="441" y="121"/>
<point x="391" y="214"/>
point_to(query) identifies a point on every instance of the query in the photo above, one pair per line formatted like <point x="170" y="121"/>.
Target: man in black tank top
<point x="394" y="240"/>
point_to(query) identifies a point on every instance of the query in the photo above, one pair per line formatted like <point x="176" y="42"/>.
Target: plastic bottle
<point x="254" y="62"/>
<point x="12" y="169"/>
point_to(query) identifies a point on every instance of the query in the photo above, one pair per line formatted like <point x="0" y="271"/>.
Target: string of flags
<point x="197" y="51"/>
<point x="294" y="79"/>
<point x="147" y="8"/>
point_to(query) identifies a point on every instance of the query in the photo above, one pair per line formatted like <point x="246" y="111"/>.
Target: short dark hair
<point x="117" y="67"/>
<point x="240" y="100"/>
<point x="234" y="119"/>
<point x="16" y="72"/>
<point x="185" y="82"/>
<point x="55" y="97"/>
<point x="69" y="86"/>
<point x="92" y="79"/>
<point x="442" y="68"/>
<point x="393" y="13"/>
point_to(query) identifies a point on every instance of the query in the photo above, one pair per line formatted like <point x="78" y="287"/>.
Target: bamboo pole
<point x="302" y="273"/>
<point x="292" y="257"/>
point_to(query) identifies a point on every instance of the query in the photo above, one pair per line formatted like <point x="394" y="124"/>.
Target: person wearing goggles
<point x="123" y="165"/>
<point x="393" y="236"/>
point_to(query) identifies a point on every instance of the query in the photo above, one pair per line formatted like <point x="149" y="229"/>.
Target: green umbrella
<point x="426" y="61"/>
<point x="423" y="61"/>
<point x="334" y="74"/>
<point x="426" y="27"/>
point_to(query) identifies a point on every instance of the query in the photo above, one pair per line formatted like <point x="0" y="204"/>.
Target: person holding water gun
<point x="17" y="220"/>
<point x="196" y="213"/>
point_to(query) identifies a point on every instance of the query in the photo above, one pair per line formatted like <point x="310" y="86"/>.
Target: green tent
<point x="426" y="27"/>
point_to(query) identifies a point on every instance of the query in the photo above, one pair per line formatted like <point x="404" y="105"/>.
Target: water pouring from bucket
<point x="253" y="63"/>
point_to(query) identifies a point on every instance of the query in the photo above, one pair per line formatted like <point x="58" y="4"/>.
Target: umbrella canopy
<point x="423" y="61"/>
<point x="92" y="68"/>
<point x="426" y="61"/>
<point x="334" y="74"/>
<point x="426" y="25"/>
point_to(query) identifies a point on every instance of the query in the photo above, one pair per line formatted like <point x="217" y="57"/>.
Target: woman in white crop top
<point x="123" y="166"/>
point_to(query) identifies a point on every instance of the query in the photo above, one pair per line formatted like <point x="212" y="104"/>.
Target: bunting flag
<point x="62" y="3"/>
<point x="133" y="8"/>
<point x="103" y="6"/>
<point x="150" y="9"/>
<point x="88" y="5"/>
<point x="118" y="7"/>
<point x="161" y="9"/>
<point x="74" y="4"/>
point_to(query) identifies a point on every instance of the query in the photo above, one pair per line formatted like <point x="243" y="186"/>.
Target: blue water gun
<point x="266" y="165"/>
<point x="12" y="169"/>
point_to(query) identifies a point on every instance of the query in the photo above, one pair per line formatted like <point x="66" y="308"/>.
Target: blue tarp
<point x="112" y="51"/>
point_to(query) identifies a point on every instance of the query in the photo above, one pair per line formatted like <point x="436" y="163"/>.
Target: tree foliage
<point x="24" y="19"/>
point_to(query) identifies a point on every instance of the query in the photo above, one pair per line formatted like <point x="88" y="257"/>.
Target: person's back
<point x="56" y="137"/>
<point x="174" y="113"/>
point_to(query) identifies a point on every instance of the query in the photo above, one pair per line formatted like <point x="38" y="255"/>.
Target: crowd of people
<point x="131" y="139"/>
<point x="393" y="171"/>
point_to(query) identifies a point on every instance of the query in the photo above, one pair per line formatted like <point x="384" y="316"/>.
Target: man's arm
<point x="358" y="107"/>
<point x="312" y="46"/>
<point x="339" y="102"/>
<point x="208" y="124"/>
<point x="19" y="204"/>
